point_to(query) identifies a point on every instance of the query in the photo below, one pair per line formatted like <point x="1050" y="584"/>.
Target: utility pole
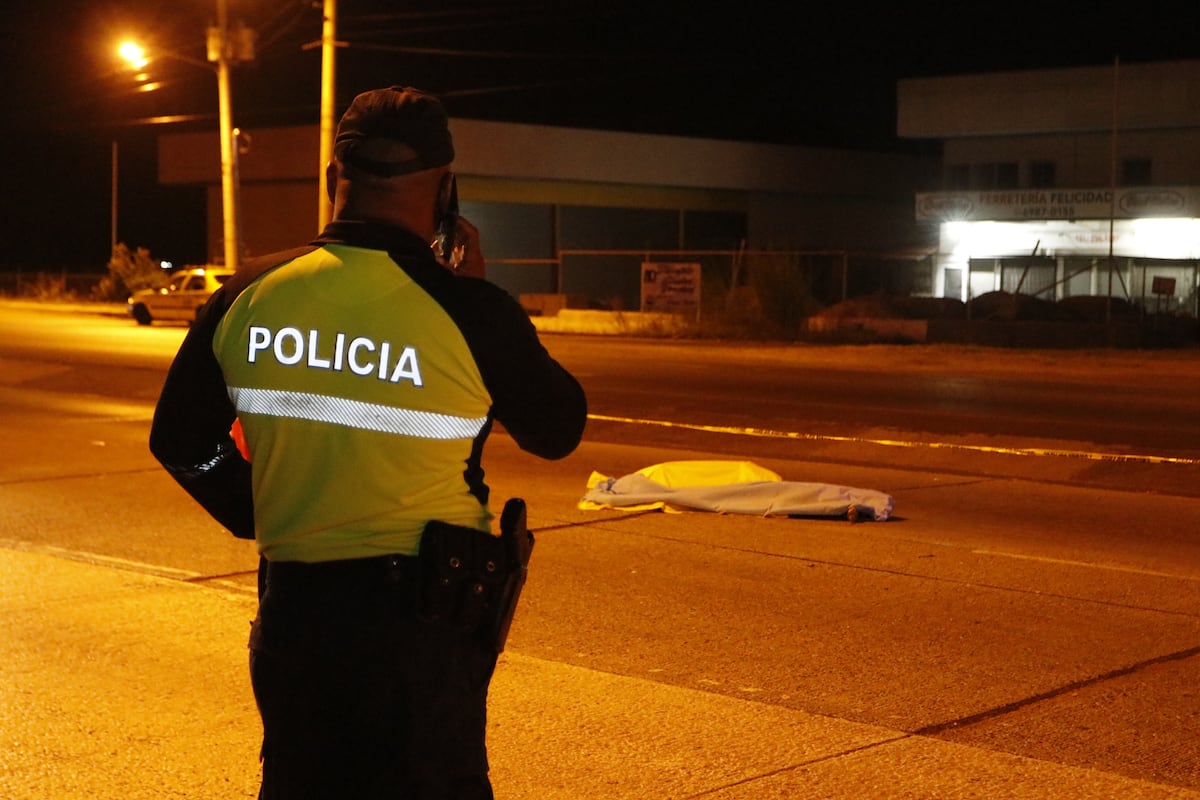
<point x="225" y="49"/>
<point x="328" y="97"/>
<point x="113" y="248"/>
<point x="1112" y="190"/>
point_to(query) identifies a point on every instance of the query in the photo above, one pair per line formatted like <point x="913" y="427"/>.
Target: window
<point x="1041" y="174"/>
<point x="513" y="230"/>
<point x="713" y="230"/>
<point x="604" y="228"/>
<point x="1002" y="175"/>
<point x="957" y="177"/>
<point x="1135" y="172"/>
<point x="1006" y="175"/>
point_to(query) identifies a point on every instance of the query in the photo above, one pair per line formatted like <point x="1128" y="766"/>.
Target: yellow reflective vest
<point x="362" y="379"/>
<point x="360" y="403"/>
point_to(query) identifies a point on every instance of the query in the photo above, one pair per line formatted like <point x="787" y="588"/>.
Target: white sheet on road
<point x="731" y="487"/>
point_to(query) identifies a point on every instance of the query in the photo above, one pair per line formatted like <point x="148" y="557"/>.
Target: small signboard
<point x="671" y="286"/>
<point x="1161" y="285"/>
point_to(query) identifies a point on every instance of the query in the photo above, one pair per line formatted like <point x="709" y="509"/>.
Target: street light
<point x="225" y="48"/>
<point x="133" y="53"/>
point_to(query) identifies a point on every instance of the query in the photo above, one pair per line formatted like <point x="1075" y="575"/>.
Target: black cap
<point x="399" y="114"/>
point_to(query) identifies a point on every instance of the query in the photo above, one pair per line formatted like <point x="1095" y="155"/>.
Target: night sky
<point x="800" y="74"/>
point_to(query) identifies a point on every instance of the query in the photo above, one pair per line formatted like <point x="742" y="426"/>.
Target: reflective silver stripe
<point x="224" y="451"/>
<point x="354" y="414"/>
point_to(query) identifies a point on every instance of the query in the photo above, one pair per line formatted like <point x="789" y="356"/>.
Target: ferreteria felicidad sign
<point x="1066" y="204"/>
<point x="670" y="286"/>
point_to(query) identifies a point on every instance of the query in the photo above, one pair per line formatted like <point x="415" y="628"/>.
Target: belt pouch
<point x="462" y="575"/>
<point x="473" y="580"/>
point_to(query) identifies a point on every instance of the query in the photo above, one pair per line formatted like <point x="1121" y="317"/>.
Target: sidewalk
<point x="123" y="684"/>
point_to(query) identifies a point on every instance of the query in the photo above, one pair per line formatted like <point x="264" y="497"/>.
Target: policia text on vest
<point x="362" y="356"/>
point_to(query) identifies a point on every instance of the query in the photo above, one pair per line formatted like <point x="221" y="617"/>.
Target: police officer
<point x="358" y="377"/>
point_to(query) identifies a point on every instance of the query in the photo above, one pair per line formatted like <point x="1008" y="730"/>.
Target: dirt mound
<point x="1008" y="306"/>
<point x="1086" y="308"/>
<point x="929" y="308"/>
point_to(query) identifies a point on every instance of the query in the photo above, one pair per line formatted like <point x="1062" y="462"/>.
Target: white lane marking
<point x="795" y="435"/>
<point x="101" y="560"/>
<point x="1089" y="565"/>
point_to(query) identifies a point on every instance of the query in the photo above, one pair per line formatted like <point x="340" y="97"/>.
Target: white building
<point x="1059" y="183"/>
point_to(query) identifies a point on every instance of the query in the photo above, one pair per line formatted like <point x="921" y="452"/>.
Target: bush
<point x="127" y="273"/>
<point x="47" y="287"/>
<point x="782" y="286"/>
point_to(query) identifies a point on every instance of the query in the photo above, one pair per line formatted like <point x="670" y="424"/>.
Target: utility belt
<point x="299" y="578"/>
<point x="471" y="579"/>
<point x="463" y="577"/>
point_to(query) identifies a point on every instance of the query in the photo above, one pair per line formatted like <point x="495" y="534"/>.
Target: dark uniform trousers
<point x="360" y="699"/>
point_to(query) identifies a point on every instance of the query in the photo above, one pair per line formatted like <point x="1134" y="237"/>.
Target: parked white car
<point x="180" y="299"/>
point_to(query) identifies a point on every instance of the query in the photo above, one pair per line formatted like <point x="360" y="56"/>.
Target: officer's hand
<point x="467" y="251"/>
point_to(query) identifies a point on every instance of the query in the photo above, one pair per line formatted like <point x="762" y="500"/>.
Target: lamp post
<point x="225" y="48"/>
<point x="113" y="226"/>
<point x="328" y="84"/>
<point x="221" y="51"/>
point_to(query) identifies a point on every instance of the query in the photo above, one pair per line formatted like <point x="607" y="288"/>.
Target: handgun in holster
<point x="518" y="545"/>
<point x="472" y="580"/>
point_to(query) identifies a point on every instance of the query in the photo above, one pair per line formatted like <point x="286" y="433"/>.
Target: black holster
<point x="471" y="579"/>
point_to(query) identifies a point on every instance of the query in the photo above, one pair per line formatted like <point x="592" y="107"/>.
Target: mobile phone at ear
<point x="447" y="226"/>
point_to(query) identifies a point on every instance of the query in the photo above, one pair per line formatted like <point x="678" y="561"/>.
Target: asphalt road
<point x="1027" y="625"/>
